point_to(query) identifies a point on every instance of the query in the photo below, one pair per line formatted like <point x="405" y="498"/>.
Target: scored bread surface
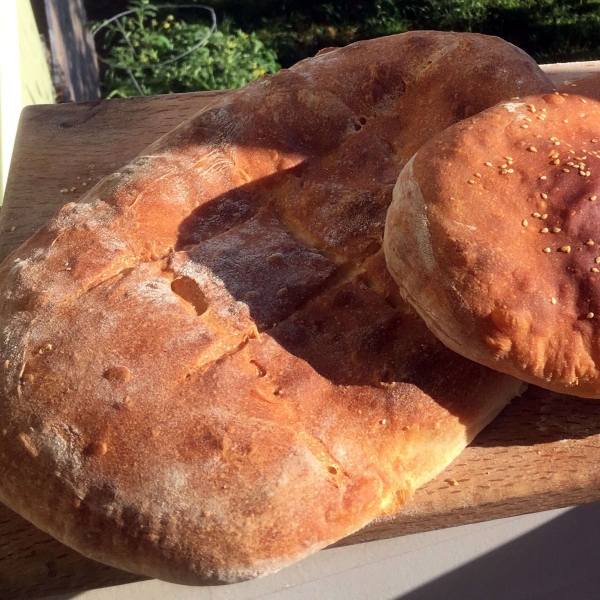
<point x="208" y="372"/>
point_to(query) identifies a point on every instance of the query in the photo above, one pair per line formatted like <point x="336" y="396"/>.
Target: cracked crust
<point x="208" y="372"/>
<point x="503" y="231"/>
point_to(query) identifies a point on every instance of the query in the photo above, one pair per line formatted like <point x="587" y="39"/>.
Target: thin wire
<point x="116" y="18"/>
<point x="129" y="71"/>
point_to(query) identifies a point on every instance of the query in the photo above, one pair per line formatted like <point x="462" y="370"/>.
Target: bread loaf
<point x="493" y="237"/>
<point x="208" y="372"/>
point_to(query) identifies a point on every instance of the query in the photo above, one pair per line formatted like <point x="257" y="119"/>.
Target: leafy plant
<point x="230" y="57"/>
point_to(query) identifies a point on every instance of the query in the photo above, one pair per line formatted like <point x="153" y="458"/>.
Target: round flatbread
<point x="494" y="238"/>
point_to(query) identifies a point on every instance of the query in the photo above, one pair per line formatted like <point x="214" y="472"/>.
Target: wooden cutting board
<point x="542" y="452"/>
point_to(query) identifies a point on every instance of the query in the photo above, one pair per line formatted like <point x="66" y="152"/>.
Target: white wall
<point x="24" y="74"/>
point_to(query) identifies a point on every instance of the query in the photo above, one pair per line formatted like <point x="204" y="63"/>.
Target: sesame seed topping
<point x="544" y="196"/>
<point x="510" y="170"/>
<point x="536" y="215"/>
<point x="543" y="177"/>
<point x="527" y="119"/>
<point x="556" y="161"/>
<point x="524" y="126"/>
<point x="590" y="315"/>
<point x="478" y="175"/>
<point x="594" y="141"/>
<point x="592" y="198"/>
<point x="532" y="149"/>
<point x="546" y="250"/>
<point x="565" y="170"/>
<point x="556" y="229"/>
<point x="545" y="216"/>
<point x="557" y="143"/>
<point x="595" y="270"/>
<point x="565" y="120"/>
<point x="589" y="243"/>
<point x="597" y="260"/>
<point x="471" y="181"/>
<point x="525" y="223"/>
<point x="583" y="100"/>
<point x="503" y="166"/>
<point x="544" y="230"/>
<point x="552" y="300"/>
<point x="565" y="249"/>
<point x="488" y="164"/>
<point x="582" y="173"/>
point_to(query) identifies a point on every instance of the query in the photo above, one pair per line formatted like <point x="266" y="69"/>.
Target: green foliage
<point x="229" y="59"/>
<point x="550" y="30"/>
<point x="287" y="31"/>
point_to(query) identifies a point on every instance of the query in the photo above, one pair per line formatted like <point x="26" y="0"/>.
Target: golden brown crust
<point x="499" y="216"/>
<point x="209" y="372"/>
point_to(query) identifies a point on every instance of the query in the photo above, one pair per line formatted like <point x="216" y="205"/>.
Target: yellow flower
<point x="258" y="72"/>
<point x="154" y="22"/>
<point x="167" y="25"/>
<point x="170" y="18"/>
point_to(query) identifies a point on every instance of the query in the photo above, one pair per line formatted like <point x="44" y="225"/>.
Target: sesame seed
<point x="532" y="149"/>
<point x="594" y="141"/>
<point x="556" y="230"/>
<point x="509" y="158"/>
<point x="557" y="143"/>
<point x="478" y="175"/>
<point x="597" y="260"/>
<point x="471" y="181"/>
<point x="565" y="120"/>
<point x="546" y="250"/>
<point x="524" y="126"/>
<point x="536" y="215"/>
<point x="595" y="270"/>
<point x="588" y="173"/>
<point x="544" y="230"/>
<point x="543" y="177"/>
<point x="545" y="216"/>
<point x="525" y="223"/>
<point x="488" y="164"/>
<point x="566" y="249"/>
<point x="583" y="100"/>
<point x="565" y="170"/>
<point x="556" y="161"/>
<point x="590" y="315"/>
<point x="544" y="196"/>
<point x="504" y="171"/>
<point x="527" y="119"/>
<point x="6" y="363"/>
<point x="582" y="173"/>
<point x="543" y="109"/>
<point x="592" y="198"/>
<point x="383" y="421"/>
<point x="510" y="170"/>
<point x="553" y="300"/>
<point x="503" y="166"/>
<point x="589" y="243"/>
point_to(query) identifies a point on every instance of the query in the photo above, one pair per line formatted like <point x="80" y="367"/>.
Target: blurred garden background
<point x="254" y="37"/>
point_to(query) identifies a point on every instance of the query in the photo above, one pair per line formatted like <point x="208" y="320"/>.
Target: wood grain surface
<point x="542" y="452"/>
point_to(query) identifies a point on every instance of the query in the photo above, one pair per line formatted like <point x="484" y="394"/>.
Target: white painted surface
<point x="10" y="85"/>
<point x="553" y="555"/>
<point x="24" y="74"/>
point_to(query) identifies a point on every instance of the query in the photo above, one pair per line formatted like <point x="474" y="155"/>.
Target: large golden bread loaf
<point x="208" y="372"/>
